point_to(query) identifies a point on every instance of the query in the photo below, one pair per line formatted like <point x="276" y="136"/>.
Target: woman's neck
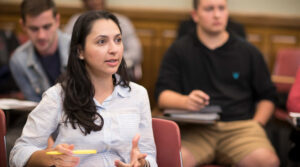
<point x="103" y="87"/>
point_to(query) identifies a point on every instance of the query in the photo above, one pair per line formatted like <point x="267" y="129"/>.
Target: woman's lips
<point x="112" y="62"/>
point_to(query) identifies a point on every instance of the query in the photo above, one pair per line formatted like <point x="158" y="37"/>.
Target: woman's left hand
<point x="137" y="159"/>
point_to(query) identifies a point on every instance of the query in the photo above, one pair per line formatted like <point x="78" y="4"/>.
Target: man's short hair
<point x="36" y="7"/>
<point x="195" y="4"/>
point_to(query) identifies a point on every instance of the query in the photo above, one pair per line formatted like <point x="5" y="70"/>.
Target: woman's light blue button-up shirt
<point x="125" y="114"/>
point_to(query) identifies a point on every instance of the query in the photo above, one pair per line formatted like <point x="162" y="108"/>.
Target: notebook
<point x="208" y="114"/>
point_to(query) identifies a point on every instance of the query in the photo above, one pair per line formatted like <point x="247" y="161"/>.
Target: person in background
<point x="293" y="105"/>
<point x="212" y="66"/>
<point x="8" y="43"/>
<point x="94" y="106"/>
<point x="37" y="64"/>
<point x="293" y="102"/>
<point x="132" y="46"/>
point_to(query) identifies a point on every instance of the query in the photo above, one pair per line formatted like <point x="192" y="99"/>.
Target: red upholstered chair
<point x="284" y="73"/>
<point x="168" y="143"/>
<point x="3" y="162"/>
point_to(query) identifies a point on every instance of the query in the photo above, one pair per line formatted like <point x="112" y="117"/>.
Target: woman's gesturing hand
<point x="137" y="159"/>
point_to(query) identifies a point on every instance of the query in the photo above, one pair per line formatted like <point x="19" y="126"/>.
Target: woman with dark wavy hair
<point x="94" y="106"/>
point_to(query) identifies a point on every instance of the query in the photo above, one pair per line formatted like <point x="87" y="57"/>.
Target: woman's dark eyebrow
<point x="106" y="36"/>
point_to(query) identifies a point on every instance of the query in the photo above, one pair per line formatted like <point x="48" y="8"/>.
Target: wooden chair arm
<point x="283" y="79"/>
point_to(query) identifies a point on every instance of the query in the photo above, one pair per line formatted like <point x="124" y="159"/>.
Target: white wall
<point x="270" y="7"/>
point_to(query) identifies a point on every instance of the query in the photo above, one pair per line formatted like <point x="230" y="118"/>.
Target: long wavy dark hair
<point x="77" y="87"/>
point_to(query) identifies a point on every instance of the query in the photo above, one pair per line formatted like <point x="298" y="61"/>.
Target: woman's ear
<point x="80" y="53"/>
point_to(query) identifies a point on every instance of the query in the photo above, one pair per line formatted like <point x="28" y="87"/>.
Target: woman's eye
<point x="118" y="40"/>
<point x="101" y="41"/>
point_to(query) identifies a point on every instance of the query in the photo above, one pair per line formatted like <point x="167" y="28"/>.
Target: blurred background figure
<point x="132" y="45"/>
<point x="293" y="105"/>
<point x="37" y="64"/>
<point x="293" y="102"/>
<point x="204" y="68"/>
<point x="8" y="43"/>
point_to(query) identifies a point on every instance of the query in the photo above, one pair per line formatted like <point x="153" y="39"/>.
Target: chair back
<point x="286" y="64"/>
<point x="168" y="143"/>
<point x="3" y="160"/>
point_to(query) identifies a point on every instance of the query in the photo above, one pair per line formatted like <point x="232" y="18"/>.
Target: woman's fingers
<point x="135" y="141"/>
<point x="66" y="161"/>
<point x="119" y="163"/>
<point x="65" y="149"/>
<point x="142" y="156"/>
<point x="141" y="159"/>
<point x="137" y="159"/>
<point x="50" y="142"/>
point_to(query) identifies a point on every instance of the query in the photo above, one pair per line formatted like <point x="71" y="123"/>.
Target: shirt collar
<point x="118" y="91"/>
<point x="121" y="91"/>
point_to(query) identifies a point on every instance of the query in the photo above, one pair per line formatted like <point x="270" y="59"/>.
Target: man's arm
<point x="22" y="81"/>
<point x="264" y="111"/>
<point x="264" y="90"/>
<point x="196" y="100"/>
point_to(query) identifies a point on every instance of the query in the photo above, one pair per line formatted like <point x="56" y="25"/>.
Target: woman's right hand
<point x="66" y="159"/>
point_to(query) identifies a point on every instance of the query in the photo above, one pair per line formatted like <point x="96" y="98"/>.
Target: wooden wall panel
<point x="156" y="38"/>
<point x="157" y="30"/>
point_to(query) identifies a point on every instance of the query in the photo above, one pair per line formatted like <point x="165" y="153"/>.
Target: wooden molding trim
<point x="14" y="8"/>
<point x="267" y="20"/>
<point x="171" y="15"/>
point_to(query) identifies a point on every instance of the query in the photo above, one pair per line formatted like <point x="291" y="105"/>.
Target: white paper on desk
<point x="295" y="114"/>
<point x="11" y="104"/>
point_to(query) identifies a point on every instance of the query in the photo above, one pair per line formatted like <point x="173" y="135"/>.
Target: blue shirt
<point x="51" y="65"/>
<point x="125" y="114"/>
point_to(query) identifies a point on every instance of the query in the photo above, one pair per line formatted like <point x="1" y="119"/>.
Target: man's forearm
<point x="171" y="99"/>
<point x="264" y="111"/>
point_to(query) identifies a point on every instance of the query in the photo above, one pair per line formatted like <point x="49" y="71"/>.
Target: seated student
<point x="132" y="46"/>
<point x="37" y="64"/>
<point x="293" y="105"/>
<point x="293" y="102"/>
<point x="94" y="106"/>
<point x="212" y="66"/>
